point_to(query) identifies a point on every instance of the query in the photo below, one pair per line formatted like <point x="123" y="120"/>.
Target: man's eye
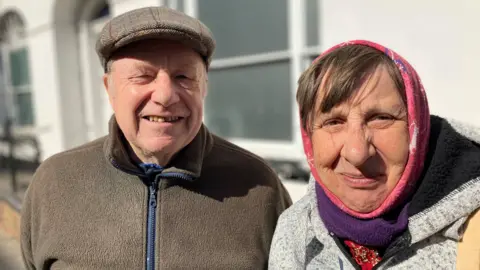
<point x="141" y="79"/>
<point x="181" y="76"/>
<point x="142" y="76"/>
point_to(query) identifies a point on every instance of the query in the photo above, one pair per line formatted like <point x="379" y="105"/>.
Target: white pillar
<point x="46" y="92"/>
<point x="69" y="85"/>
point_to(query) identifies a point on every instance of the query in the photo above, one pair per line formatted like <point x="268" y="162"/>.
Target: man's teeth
<point x="162" y="119"/>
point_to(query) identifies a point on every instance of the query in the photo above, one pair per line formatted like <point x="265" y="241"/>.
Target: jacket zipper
<point x="384" y="259"/>
<point x="399" y="245"/>
<point x="382" y="262"/>
<point x="345" y="252"/>
<point x="173" y="175"/>
<point x="152" y="206"/>
<point x="152" y="214"/>
<point x="151" y="222"/>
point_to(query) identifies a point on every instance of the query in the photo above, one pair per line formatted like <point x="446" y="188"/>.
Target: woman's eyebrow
<point x="396" y="109"/>
<point x="335" y="111"/>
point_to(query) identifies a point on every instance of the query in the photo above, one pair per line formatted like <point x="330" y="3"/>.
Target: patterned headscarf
<point x="419" y="129"/>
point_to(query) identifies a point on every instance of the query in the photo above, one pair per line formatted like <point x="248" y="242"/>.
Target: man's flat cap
<point x="154" y="23"/>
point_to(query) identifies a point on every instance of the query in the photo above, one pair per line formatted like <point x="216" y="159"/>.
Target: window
<point x="250" y="101"/>
<point x="249" y="82"/>
<point x="312" y="21"/>
<point x="246" y="27"/>
<point x="262" y="47"/>
<point x="20" y="85"/>
<point x="312" y="50"/>
<point x="176" y="4"/>
<point x="16" y="82"/>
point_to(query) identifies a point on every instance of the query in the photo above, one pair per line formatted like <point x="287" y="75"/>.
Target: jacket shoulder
<point x="241" y="168"/>
<point x="80" y="153"/>
<point x="295" y="216"/>
<point x="236" y="156"/>
<point x="291" y="237"/>
<point x="62" y="166"/>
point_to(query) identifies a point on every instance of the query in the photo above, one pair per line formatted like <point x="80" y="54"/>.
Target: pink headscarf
<point x="419" y="129"/>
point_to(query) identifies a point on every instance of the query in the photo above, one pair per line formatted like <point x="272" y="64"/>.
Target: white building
<point x="52" y="78"/>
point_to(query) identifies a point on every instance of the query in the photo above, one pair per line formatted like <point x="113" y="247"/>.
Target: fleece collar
<point x="188" y="161"/>
<point x="450" y="183"/>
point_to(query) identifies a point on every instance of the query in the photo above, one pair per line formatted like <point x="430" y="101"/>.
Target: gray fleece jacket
<point x="447" y="194"/>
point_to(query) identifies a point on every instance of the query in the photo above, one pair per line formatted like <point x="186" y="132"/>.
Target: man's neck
<point x="139" y="156"/>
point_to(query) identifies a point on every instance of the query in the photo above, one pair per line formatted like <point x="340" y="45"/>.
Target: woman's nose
<point x="357" y="148"/>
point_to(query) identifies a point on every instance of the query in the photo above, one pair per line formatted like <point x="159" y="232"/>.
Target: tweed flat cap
<point x="154" y="23"/>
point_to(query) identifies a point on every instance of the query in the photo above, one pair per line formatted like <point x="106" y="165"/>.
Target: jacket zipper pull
<point x="153" y="193"/>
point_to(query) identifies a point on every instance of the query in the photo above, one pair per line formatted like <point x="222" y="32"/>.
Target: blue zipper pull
<point x="153" y="193"/>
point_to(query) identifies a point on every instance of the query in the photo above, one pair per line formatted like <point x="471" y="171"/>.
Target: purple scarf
<point x="377" y="232"/>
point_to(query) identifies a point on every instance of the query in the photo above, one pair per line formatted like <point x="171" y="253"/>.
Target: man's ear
<point x="108" y="83"/>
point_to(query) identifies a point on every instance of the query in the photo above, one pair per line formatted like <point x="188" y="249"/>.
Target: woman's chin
<point x="363" y="201"/>
<point x="364" y="209"/>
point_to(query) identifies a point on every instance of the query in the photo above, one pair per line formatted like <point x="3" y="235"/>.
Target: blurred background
<point x="52" y="96"/>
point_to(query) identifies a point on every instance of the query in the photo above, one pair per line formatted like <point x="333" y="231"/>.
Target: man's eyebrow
<point x="140" y="66"/>
<point x="186" y="65"/>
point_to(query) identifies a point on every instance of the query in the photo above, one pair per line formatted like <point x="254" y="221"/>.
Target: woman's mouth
<point x="360" y="181"/>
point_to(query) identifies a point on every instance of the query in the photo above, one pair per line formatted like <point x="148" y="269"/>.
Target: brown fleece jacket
<point x="82" y="212"/>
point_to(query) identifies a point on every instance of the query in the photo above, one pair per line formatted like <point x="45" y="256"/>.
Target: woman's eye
<point x="332" y="122"/>
<point x="381" y="121"/>
<point x="382" y="117"/>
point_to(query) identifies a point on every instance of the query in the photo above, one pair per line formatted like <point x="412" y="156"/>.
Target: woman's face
<point x="361" y="146"/>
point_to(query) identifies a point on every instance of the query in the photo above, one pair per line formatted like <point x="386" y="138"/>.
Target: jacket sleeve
<point x="284" y="201"/>
<point x="285" y="251"/>
<point x="25" y="231"/>
<point x="31" y="212"/>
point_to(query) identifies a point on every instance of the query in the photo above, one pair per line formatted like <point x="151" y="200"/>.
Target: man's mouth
<point x="160" y="119"/>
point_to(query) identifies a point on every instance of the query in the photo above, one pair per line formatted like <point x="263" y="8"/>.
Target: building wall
<point x="57" y="71"/>
<point x="44" y="76"/>
<point x="437" y="37"/>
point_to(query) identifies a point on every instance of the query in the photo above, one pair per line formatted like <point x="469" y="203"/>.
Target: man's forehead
<point x="153" y="49"/>
<point x="159" y="50"/>
<point x="155" y="46"/>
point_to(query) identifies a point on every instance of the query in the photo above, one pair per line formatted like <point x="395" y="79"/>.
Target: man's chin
<point x="164" y="146"/>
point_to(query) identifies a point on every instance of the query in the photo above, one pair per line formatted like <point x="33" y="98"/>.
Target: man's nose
<point x="357" y="148"/>
<point x="165" y="91"/>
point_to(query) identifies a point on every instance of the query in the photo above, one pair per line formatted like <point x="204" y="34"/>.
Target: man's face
<point x="156" y="89"/>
